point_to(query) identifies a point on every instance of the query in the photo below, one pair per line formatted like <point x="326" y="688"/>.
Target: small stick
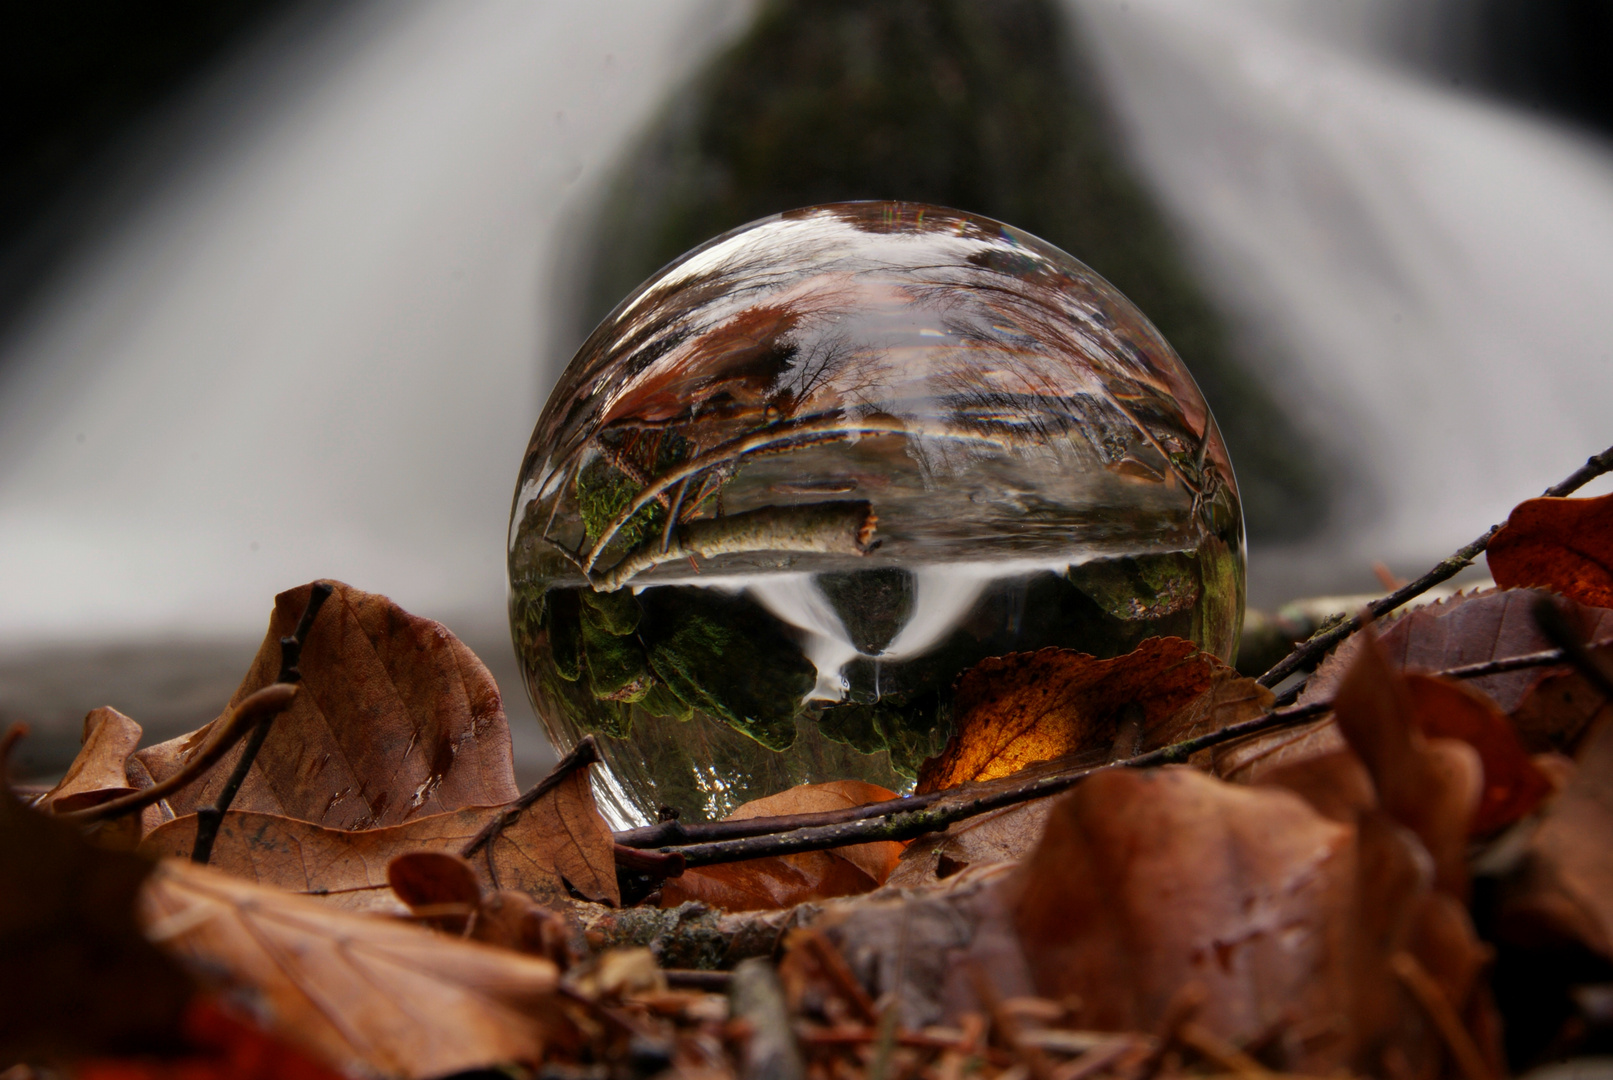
<point x="1218" y="1052"/>
<point x="583" y="754"/>
<point x="1431" y="998"/>
<point x="713" y="840"/>
<point x="838" y="972"/>
<point x="1008" y="1027"/>
<point x="262" y="705"/>
<point x="210" y="818"/>
<point x="661" y="864"/>
<point x="1320" y="643"/>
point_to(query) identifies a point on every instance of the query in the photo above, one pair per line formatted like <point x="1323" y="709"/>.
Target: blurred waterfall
<point x="1427" y="272"/>
<point x="316" y="347"/>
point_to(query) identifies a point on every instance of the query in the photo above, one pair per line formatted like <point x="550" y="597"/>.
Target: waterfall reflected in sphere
<point x="806" y="475"/>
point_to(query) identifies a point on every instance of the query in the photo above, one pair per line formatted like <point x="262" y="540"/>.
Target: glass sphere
<point x="809" y="473"/>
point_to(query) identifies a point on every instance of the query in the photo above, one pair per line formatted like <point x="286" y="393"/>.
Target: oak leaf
<point x="370" y="996"/>
<point x="1565" y="545"/>
<point x="1012" y="711"/>
<point x="782" y="881"/>
<point x="396" y="719"/>
<point x="557" y="842"/>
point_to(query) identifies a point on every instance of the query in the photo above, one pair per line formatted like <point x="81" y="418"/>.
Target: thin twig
<point x="583" y="754"/>
<point x="8" y="742"/>
<point x="1318" y="645"/>
<point x="265" y="704"/>
<point x="1549" y="617"/>
<point x="210" y="818"/>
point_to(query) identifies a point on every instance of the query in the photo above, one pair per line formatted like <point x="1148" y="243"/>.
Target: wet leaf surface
<point x="396" y="719"/>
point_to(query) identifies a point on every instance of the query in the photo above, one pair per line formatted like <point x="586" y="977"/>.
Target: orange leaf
<point x="1565" y="545"/>
<point x="97" y="773"/>
<point x="1015" y="710"/>
<point x="396" y="719"/>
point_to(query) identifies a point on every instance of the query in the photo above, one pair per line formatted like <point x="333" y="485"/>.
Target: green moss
<point x="1140" y="587"/>
<point x="724" y="656"/>
<point x="604" y="492"/>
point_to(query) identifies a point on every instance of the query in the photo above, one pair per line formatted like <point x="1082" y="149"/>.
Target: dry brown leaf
<point x="98" y="773"/>
<point x="396" y="719"/>
<point x="559" y="840"/>
<point x="1513" y="783"/>
<point x="1146" y="882"/>
<point x="1012" y="711"/>
<point x="1565" y="545"/>
<point x="1562" y="707"/>
<point x="374" y="997"/>
<point x="76" y="976"/>
<point x="1565" y="891"/>
<point x="1468" y="628"/>
<point x="1431" y="786"/>
<point x="786" y="880"/>
<point x="1005" y="835"/>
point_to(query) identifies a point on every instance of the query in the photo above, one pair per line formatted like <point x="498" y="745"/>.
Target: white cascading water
<point x="316" y="347"/>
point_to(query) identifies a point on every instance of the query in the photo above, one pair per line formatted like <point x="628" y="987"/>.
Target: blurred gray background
<point x="283" y="285"/>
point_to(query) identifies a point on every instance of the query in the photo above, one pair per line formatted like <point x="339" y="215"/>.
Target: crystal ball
<point x="809" y="473"/>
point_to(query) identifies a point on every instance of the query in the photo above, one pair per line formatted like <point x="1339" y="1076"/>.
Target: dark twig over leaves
<point x="584" y="753"/>
<point x="209" y="818"/>
<point x="1319" y="644"/>
<point x="714" y="842"/>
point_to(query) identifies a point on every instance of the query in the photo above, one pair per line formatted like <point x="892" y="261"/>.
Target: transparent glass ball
<point x="809" y="473"/>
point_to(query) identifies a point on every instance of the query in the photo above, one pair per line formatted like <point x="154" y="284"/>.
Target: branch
<point x="209" y="818"/>
<point x="258" y="708"/>
<point x="810" y="431"/>
<point x="1319" y="644"/>
<point x="711" y="842"/>
<point x="583" y="754"/>
<point x="840" y="528"/>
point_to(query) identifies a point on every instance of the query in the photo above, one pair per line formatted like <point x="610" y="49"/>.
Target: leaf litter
<point x="1337" y="898"/>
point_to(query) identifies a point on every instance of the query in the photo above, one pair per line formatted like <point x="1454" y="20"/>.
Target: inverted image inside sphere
<point x="806" y="475"/>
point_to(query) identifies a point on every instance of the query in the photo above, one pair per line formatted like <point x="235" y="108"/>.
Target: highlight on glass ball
<point x="807" y="475"/>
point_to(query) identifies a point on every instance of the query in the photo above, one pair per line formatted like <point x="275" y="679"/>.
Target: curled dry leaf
<point x="1146" y="882"/>
<point x="371" y="996"/>
<point x="99" y="772"/>
<point x="1513" y="783"/>
<point x="558" y="841"/>
<point x="396" y="719"/>
<point x="1565" y="545"/>
<point x="1015" y="710"/>
<point x="785" y="880"/>
<point x="1431" y="786"/>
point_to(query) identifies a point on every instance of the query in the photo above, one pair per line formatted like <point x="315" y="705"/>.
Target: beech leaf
<point x="371" y="996"/>
<point x="1565" y="545"/>
<point x="99" y="771"/>
<point x="782" y="881"/>
<point x="1012" y="711"/>
<point x="559" y="840"/>
<point x="396" y="719"/>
